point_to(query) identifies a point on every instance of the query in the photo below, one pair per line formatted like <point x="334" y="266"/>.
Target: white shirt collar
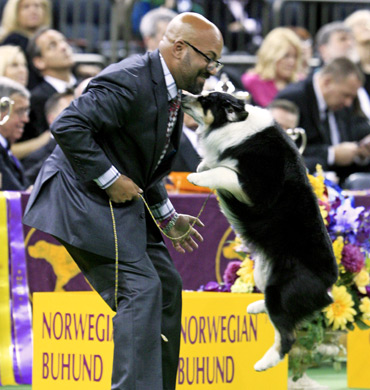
<point x="60" y="85"/>
<point x="170" y="81"/>
<point x="3" y="142"/>
<point x="319" y="97"/>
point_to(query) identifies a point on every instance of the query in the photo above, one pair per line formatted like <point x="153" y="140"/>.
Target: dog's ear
<point x="235" y="111"/>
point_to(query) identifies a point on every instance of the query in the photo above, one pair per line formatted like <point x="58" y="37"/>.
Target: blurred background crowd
<point x="307" y="62"/>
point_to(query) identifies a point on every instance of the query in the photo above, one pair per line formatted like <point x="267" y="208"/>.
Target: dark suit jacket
<point x="187" y="159"/>
<point x="12" y="174"/>
<point x="38" y="122"/>
<point x="121" y="119"/>
<point x="351" y="126"/>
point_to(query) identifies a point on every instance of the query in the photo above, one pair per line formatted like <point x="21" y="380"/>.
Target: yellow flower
<point x="241" y="287"/>
<point x="362" y="279"/>
<point x="341" y="310"/>
<point x="365" y="308"/>
<point x="246" y="271"/>
<point x="231" y="251"/>
<point x="324" y="214"/>
<point x="338" y="245"/>
<point x="317" y="182"/>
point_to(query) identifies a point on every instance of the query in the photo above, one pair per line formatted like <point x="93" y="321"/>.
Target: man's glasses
<point x="212" y="64"/>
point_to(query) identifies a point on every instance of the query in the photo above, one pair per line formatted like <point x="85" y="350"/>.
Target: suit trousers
<point x="149" y="304"/>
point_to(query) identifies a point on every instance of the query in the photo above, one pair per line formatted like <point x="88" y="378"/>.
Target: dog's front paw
<point x="193" y="178"/>
<point x="256" y="307"/>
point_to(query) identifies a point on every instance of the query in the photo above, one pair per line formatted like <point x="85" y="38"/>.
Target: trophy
<point x="5" y="109"/>
<point x="298" y="135"/>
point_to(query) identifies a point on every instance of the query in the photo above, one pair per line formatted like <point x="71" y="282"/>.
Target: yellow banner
<point x="358" y="354"/>
<point x="221" y="342"/>
<point x="6" y="348"/>
<point x="73" y="341"/>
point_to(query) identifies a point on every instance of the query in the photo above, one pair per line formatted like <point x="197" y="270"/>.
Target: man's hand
<point x="123" y="189"/>
<point x="182" y="225"/>
<point x="345" y="153"/>
<point x="364" y="147"/>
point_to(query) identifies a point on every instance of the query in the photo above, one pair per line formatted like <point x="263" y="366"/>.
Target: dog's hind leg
<point x="282" y="345"/>
<point x="284" y="329"/>
<point x="220" y="178"/>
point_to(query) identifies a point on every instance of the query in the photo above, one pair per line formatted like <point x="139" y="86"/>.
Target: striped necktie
<point x="173" y="109"/>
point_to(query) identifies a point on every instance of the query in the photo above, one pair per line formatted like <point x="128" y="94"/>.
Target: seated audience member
<point x="336" y="136"/>
<point x="307" y="49"/>
<point x="153" y="26"/>
<point x="53" y="107"/>
<point x="278" y="64"/>
<point x="187" y="158"/>
<point x="20" y="20"/>
<point x="335" y="40"/>
<point x="11" y="170"/>
<point x="285" y="112"/>
<point x="52" y="56"/>
<point x="13" y="64"/>
<point x="359" y="23"/>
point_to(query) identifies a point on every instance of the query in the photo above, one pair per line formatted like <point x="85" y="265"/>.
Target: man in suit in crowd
<point x="117" y="142"/>
<point x="53" y="107"/>
<point x="335" y="40"/>
<point x="11" y="170"/>
<point x="52" y="56"/>
<point x="285" y="112"/>
<point x="336" y="135"/>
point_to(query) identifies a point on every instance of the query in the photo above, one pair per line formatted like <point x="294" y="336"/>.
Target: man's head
<point x="339" y="82"/>
<point x="153" y="25"/>
<point x="50" y="52"/>
<point x="359" y="23"/>
<point x="56" y="104"/>
<point x="191" y="48"/>
<point x="285" y="112"/>
<point x="12" y="130"/>
<point x="335" y="40"/>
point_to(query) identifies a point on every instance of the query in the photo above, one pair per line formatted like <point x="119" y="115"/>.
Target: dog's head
<point x="214" y="109"/>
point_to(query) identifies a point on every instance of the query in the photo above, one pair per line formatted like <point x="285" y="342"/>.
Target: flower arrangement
<point x="349" y="230"/>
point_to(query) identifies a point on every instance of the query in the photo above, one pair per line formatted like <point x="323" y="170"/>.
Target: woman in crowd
<point x="20" y="21"/>
<point x="278" y="64"/>
<point x="13" y="64"/>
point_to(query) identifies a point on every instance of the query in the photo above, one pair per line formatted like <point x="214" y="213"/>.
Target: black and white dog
<point x="265" y="194"/>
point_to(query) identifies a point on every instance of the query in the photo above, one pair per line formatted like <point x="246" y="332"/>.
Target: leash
<point x="161" y="230"/>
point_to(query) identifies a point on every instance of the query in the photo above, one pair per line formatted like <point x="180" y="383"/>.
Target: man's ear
<point x="39" y="63"/>
<point x="178" y="49"/>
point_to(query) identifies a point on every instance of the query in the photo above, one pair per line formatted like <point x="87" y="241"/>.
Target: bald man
<point x="116" y="143"/>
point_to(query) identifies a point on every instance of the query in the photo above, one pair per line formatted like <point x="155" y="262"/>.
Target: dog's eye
<point x="229" y="110"/>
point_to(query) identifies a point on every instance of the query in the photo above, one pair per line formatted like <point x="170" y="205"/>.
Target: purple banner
<point x="20" y="305"/>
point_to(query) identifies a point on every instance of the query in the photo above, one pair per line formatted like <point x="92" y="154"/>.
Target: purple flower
<point x="367" y="291"/>
<point x="347" y="217"/>
<point x="212" y="286"/>
<point x="230" y="272"/>
<point x="352" y="258"/>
